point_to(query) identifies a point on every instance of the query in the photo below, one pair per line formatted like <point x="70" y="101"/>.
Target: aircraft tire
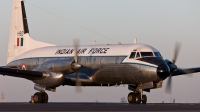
<point x="45" y="98"/>
<point x="144" y="99"/>
<point x="38" y="97"/>
<point x="137" y="98"/>
<point x="131" y="98"/>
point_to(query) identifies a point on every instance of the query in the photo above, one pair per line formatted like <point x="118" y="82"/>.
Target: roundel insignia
<point x="23" y="67"/>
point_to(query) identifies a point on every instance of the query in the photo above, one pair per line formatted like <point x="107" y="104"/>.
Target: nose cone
<point x="163" y="71"/>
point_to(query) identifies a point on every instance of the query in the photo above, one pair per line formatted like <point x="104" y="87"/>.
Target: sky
<point x="159" y="23"/>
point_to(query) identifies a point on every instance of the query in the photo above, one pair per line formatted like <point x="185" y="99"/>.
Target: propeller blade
<point x="76" y="45"/>
<point x="169" y="85"/>
<point x="77" y="66"/>
<point x="78" y="84"/>
<point x="173" y="67"/>
<point x="176" y="51"/>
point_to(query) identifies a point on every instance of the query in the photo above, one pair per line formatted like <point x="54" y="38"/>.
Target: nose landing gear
<point x="144" y="99"/>
<point x="40" y="97"/>
<point x="137" y="97"/>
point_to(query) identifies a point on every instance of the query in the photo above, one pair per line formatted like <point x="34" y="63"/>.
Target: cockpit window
<point x="144" y="54"/>
<point x="157" y="54"/>
<point x="132" y="55"/>
<point x="137" y="55"/>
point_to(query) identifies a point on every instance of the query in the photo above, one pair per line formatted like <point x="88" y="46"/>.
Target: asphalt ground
<point x="100" y="107"/>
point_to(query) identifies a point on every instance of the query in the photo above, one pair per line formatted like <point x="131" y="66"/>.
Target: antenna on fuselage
<point x="135" y="40"/>
<point x="93" y="42"/>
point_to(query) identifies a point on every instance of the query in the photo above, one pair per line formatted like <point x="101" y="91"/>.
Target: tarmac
<point x="111" y="107"/>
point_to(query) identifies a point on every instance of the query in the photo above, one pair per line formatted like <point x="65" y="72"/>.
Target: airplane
<point x="140" y="66"/>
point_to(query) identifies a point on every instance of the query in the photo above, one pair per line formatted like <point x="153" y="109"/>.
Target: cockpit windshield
<point x="157" y="54"/>
<point x="145" y="54"/>
<point x="132" y="55"/>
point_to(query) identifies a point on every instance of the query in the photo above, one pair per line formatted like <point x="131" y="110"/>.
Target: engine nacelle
<point x="171" y="65"/>
<point x="65" y="66"/>
<point x="51" y="80"/>
<point x="54" y="72"/>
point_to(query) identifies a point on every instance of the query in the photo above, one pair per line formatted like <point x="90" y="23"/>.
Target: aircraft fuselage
<point x="101" y="65"/>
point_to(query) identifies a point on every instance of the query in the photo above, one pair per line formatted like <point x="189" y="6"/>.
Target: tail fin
<point x="20" y="40"/>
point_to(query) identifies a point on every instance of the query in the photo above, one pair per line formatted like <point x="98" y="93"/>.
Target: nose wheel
<point x="40" y="97"/>
<point x="137" y="98"/>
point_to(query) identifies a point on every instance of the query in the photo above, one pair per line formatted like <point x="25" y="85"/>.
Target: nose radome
<point x="163" y="71"/>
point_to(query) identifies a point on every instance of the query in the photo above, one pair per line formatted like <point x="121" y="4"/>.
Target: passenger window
<point x="132" y="55"/>
<point x="144" y="54"/>
<point x="79" y="60"/>
<point x="86" y="60"/>
<point x="137" y="55"/>
<point x="94" y="60"/>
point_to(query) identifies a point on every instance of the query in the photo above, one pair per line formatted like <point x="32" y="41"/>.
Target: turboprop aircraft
<point x="49" y="66"/>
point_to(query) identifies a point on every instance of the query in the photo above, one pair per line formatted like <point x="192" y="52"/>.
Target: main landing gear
<point x="137" y="97"/>
<point x="40" y="97"/>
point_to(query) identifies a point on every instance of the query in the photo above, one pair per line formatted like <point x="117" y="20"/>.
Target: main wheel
<point x="138" y="99"/>
<point x="38" y="97"/>
<point x="144" y="99"/>
<point x="131" y="98"/>
<point x="45" y="98"/>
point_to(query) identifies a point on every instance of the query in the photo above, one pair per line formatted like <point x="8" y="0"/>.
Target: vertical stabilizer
<point x="19" y="39"/>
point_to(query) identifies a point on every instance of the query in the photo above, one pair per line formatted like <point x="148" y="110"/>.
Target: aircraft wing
<point x="31" y="75"/>
<point x="179" y="71"/>
<point x="70" y="79"/>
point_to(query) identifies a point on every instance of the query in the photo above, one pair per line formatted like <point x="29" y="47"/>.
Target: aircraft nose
<point x="163" y="71"/>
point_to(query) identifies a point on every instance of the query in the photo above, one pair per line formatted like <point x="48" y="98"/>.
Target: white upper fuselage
<point x="89" y="50"/>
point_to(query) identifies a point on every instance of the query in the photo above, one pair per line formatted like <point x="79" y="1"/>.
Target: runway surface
<point x="99" y="107"/>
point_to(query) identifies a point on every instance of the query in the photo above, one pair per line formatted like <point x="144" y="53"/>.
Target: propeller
<point x="172" y="66"/>
<point x="176" y="52"/>
<point x="169" y="83"/>
<point x="78" y="83"/>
